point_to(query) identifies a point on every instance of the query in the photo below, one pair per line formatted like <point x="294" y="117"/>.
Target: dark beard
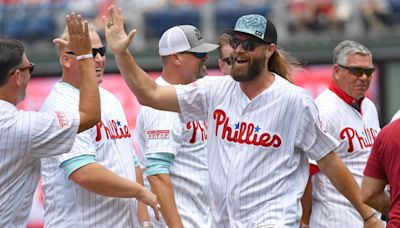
<point x="256" y="66"/>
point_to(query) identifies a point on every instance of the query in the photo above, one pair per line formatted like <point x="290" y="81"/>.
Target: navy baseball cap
<point x="258" y="26"/>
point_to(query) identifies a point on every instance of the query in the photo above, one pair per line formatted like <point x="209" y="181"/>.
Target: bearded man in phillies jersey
<point x="261" y="128"/>
<point x="352" y="119"/>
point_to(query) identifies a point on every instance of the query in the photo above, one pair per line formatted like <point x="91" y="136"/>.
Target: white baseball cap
<point x="183" y="38"/>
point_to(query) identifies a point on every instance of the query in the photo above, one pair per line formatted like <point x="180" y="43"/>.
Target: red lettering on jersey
<point x="114" y="130"/>
<point x="197" y="125"/>
<point x="245" y="133"/>
<point x="62" y="119"/>
<point x="364" y="140"/>
<point x="158" y="134"/>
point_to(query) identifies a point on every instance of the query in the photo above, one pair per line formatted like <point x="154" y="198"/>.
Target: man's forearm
<point x="100" y="180"/>
<point x="142" y="212"/>
<point x="161" y="185"/>
<point x="89" y="98"/>
<point x="138" y="80"/>
<point x="143" y="86"/>
<point x="340" y="176"/>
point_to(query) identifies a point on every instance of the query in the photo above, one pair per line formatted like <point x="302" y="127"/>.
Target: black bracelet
<point x="369" y="217"/>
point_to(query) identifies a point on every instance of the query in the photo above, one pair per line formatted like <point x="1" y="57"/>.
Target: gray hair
<point x="348" y="47"/>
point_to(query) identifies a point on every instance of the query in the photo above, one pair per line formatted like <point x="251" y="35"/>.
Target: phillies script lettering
<point x="114" y="130"/>
<point x="352" y="136"/>
<point x="244" y="133"/>
<point x="197" y="126"/>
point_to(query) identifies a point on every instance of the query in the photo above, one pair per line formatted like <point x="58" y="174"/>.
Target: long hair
<point x="283" y="64"/>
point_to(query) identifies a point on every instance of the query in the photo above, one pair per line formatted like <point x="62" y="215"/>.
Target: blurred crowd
<point x="32" y="20"/>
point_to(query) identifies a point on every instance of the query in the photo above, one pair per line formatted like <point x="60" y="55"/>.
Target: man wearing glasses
<point x="25" y="137"/>
<point x="224" y="52"/>
<point x="261" y="128"/>
<point x="352" y="119"/>
<point x="92" y="185"/>
<point x="175" y="152"/>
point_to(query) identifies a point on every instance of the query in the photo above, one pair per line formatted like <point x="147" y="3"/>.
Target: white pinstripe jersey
<point x="395" y="116"/>
<point x="356" y="134"/>
<point x="25" y="137"/>
<point x="258" y="170"/>
<point x="66" y="204"/>
<point x="161" y="131"/>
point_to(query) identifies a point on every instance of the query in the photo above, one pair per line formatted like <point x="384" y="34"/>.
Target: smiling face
<point x="248" y="64"/>
<point x="192" y="67"/>
<point x="352" y="85"/>
<point x="99" y="61"/>
<point x="71" y="66"/>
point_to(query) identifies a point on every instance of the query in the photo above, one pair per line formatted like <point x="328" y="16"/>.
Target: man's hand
<point x="116" y="37"/>
<point x="150" y="199"/>
<point x="373" y="222"/>
<point x="79" y="39"/>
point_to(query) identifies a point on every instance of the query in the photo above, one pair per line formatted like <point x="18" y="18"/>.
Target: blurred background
<point x="307" y="29"/>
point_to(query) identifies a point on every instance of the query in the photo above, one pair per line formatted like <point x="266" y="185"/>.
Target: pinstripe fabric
<point x="66" y="204"/>
<point x="161" y="131"/>
<point x="257" y="166"/>
<point x="356" y="134"/>
<point x="25" y="137"/>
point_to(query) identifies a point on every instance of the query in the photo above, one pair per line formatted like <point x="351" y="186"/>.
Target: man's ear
<point x="221" y="64"/>
<point x="16" y="78"/>
<point x="335" y="72"/>
<point x="271" y="50"/>
<point x="176" y="59"/>
<point x="65" y="61"/>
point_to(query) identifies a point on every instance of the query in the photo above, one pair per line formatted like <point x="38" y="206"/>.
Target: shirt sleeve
<point x="194" y="99"/>
<point x="159" y="131"/>
<point x="311" y="137"/>
<point x="53" y="133"/>
<point x="75" y="163"/>
<point x="374" y="167"/>
<point x="83" y="145"/>
<point x="158" y="163"/>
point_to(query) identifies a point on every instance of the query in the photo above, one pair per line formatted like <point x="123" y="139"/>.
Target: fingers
<point x="131" y="35"/>
<point x="60" y="42"/>
<point x="157" y="210"/>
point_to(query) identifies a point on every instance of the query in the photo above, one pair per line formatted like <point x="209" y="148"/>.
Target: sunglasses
<point x="101" y="51"/>
<point x="248" y="45"/>
<point x="30" y="67"/>
<point x="358" y="71"/>
<point x="199" y="55"/>
<point x="228" y="60"/>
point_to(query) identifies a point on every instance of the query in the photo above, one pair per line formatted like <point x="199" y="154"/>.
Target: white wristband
<point x="147" y="224"/>
<point x="87" y="56"/>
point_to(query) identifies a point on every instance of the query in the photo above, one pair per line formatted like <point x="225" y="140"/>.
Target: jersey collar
<point x="346" y="98"/>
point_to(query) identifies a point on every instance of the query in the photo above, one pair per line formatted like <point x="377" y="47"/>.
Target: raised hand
<point x="79" y="39"/>
<point x="116" y="37"/>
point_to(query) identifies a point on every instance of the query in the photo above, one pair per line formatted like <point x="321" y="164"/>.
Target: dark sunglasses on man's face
<point x="248" y="45"/>
<point x="199" y="55"/>
<point x="228" y="60"/>
<point x="30" y="67"/>
<point x="101" y="51"/>
<point x="358" y="71"/>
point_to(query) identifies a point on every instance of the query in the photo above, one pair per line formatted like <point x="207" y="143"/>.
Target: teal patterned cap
<point x="257" y="26"/>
